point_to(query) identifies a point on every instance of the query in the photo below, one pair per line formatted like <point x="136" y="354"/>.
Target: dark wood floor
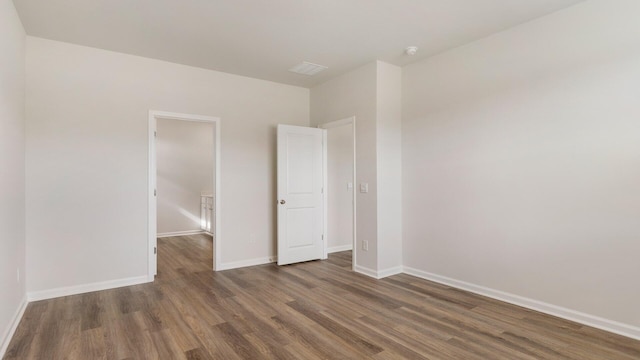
<point x="314" y="310"/>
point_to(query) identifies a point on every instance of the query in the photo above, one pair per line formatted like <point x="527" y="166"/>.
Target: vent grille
<point x="307" y="68"/>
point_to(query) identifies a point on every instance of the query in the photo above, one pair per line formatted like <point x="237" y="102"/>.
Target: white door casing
<point x="350" y="121"/>
<point x="301" y="153"/>
<point x="152" y="195"/>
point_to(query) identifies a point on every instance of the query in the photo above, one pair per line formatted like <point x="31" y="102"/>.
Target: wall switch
<point x="364" y="188"/>
<point x="365" y="245"/>
<point x="349" y="185"/>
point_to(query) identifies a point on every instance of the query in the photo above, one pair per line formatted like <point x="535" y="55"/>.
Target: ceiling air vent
<point x="307" y="68"/>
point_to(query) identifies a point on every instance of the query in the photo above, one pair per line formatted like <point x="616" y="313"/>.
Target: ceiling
<point x="264" y="38"/>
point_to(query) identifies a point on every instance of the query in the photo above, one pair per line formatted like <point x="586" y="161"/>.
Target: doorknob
<point x="282" y="202"/>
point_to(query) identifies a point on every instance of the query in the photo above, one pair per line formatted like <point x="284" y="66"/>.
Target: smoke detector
<point x="307" y="68"/>
<point x="411" y="50"/>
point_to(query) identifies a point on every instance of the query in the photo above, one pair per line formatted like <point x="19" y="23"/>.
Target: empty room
<point x="354" y="179"/>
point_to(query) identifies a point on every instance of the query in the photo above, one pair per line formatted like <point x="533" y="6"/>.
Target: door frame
<point x="334" y="124"/>
<point x="154" y="115"/>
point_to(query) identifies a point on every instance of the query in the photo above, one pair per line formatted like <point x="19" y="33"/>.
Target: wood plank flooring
<point x="314" y="310"/>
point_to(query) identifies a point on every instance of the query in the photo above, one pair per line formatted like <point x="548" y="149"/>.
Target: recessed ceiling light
<point x="307" y="68"/>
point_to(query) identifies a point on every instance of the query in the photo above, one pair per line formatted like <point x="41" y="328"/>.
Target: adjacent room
<point x="185" y="190"/>
<point x="362" y="179"/>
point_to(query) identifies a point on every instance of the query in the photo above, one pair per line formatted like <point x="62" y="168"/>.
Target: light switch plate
<point x="364" y="188"/>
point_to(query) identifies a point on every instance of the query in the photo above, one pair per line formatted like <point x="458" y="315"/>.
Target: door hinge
<point x="155" y="250"/>
<point x="322" y="190"/>
<point x="322" y="237"/>
<point x="155" y="192"/>
<point x="155" y="134"/>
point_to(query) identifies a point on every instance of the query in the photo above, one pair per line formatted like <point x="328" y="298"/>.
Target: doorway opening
<point x="184" y="182"/>
<point x="340" y="202"/>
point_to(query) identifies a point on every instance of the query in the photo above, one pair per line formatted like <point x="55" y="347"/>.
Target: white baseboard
<point x="245" y="263"/>
<point x="579" y="317"/>
<point x="365" y="271"/>
<point x="390" y="272"/>
<point x="180" y="233"/>
<point x="8" y="334"/>
<point x="334" y="249"/>
<point x="81" y="289"/>
<point x="378" y="274"/>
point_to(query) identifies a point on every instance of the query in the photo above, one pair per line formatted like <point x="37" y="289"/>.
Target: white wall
<point x="373" y="94"/>
<point x="521" y="161"/>
<point x="389" y="148"/>
<point x="185" y="159"/>
<point x="354" y="94"/>
<point x="12" y="190"/>
<point x="87" y="158"/>
<point x="340" y="174"/>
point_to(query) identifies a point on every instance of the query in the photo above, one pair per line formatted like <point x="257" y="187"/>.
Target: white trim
<point x="562" y="312"/>
<point x="247" y="263"/>
<point x="365" y="271"/>
<point x="152" y="216"/>
<point x="81" y="289"/>
<point x="325" y="197"/>
<point x="354" y="254"/>
<point x="390" y="271"/>
<point x="6" y="337"/>
<point x="339" y="248"/>
<point x="152" y="208"/>
<point x="333" y="124"/>
<point x="379" y="274"/>
<point x="180" y="233"/>
<point x="337" y="123"/>
<point x="184" y="117"/>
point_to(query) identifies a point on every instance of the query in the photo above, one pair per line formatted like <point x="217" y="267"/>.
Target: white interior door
<point x="300" y="194"/>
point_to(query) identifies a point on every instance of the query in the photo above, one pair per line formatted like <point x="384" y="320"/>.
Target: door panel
<point x="300" y="192"/>
<point x="300" y="226"/>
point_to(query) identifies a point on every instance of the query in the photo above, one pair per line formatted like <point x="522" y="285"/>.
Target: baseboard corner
<point x="365" y="271"/>
<point x="390" y="271"/>
<point x="378" y="274"/>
